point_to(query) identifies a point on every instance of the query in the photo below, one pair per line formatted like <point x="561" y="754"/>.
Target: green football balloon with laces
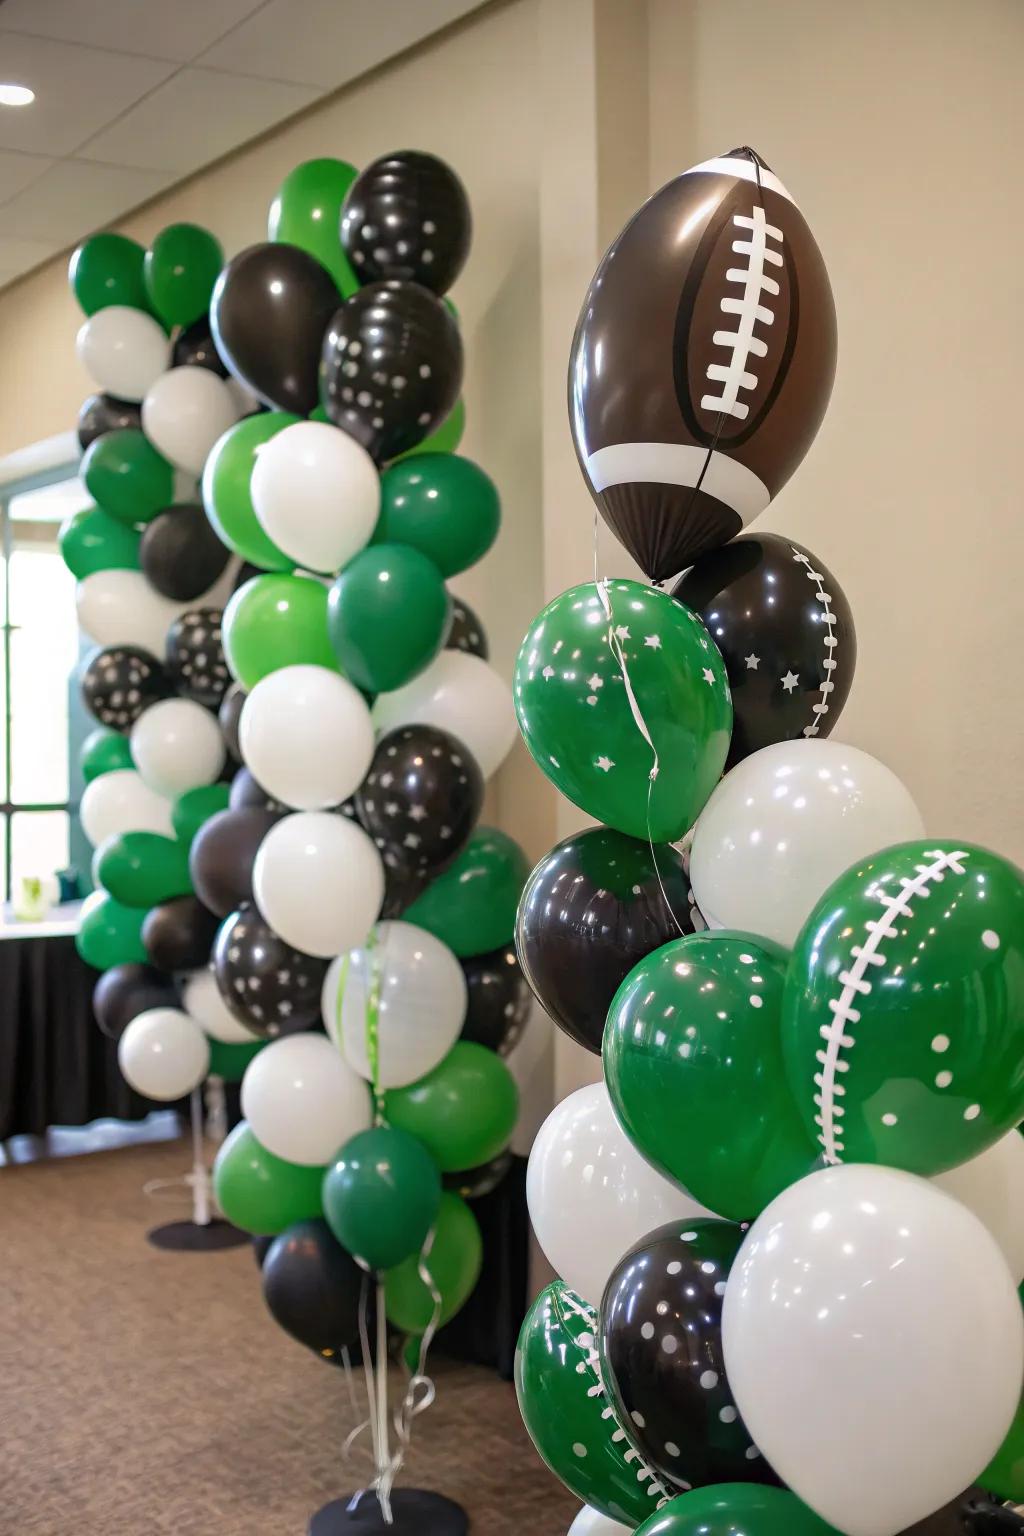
<point x="903" y="1016"/>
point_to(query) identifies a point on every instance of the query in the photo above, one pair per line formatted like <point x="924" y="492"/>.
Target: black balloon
<point x="179" y="934"/>
<point x="119" y="682"/>
<point x="407" y="216"/>
<point x="105" y="413"/>
<point x="785" y="630"/>
<point x="392" y="367"/>
<point x="593" y="907"/>
<point x="970" y="1514"/>
<point x="229" y="715"/>
<point x="125" y="991"/>
<point x="271" y="306"/>
<point x="261" y="1246"/>
<point x="313" y="1288"/>
<point x="498" y="1001"/>
<point x="420" y="800"/>
<point x="180" y="554"/>
<point x="661" y="1348"/>
<point x="195" y="656"/>
<point x="194" y="348"/>
<point x="474" y="1183"/>
<point x="246" y="794"/>
<point x="221" y="857"/>
<point x="467" y="633"/>
<point x="270" y="987"/>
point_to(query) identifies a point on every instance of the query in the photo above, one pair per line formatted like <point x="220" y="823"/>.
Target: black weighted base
<point x="417" y="1512"/>
<point x="189" y="1237"/>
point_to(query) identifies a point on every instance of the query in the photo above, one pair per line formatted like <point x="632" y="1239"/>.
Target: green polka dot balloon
<point x="568" y="1412"/>
<point x="903" y="1014"/>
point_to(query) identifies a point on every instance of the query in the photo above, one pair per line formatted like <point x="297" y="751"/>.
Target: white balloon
<point x="121" y="608"/>
<point x="177" y="745"/>
<point x="422" y="991"/>
<point x="302" y="1101"/>
<point x="591" y="1522"/>
<point x="785" y="823"/>
<point x="316" y="492"/>
<point x="319" y="882"/>
<point x="163" y="1054"/>
<point x="590" y="1193"/>
<point x="202" y="1001"/>
<point x="992" y="1186"/>
<point x="874" y="1344"/>
<point x="123" y="350"/>
<point x="184" y="413"/>
<point x="461" y="694"/>
<point x="122" y="801"/>
<point x="306" y="736"/>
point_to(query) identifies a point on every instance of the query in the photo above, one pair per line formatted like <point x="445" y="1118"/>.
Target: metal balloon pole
<point x="205" y="1232"/>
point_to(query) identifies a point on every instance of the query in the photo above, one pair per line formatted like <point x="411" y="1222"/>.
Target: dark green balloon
<point x="194" y="807"/>
<point x="110" y="934"/>
<point x="104" y="751"/>
<point x="735" y="1509"/>
<point x="127" y="477"/>
<point x="464" y="1111"/>
<point x="257" y="1191"/>
<point x="388" y="615"/>
<point x="229" y="1059"/>
<point x="453" y="1263"/>
<point x="442" y="505"/>
<point x="381" y="1196"/>
<point x="91" y="540"/>
<point x="142" y="869"/>
<point x="226" y="476"/>
<point x="307" y="212"/>
<point x="107" y="269"/>
<point x="472" y="906"/>
<point x="179" y="271"/>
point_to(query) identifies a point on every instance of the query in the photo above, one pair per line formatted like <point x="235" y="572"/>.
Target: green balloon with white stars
<point x="603" y="668"/>
<point x="568" y="1412"/>
<point x="903" y="1016"/>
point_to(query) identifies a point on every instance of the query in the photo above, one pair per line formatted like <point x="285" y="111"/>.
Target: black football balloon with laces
<point x="195" y="656"/>
<point x="467" y="633"/>
<point x="498" y="1000"/>
<point x="118" y="682"/>
<point x="391" y="367"/>
<point x="407" y="216"/>
<point x="420" y="800"/>
<point x="105" y="413"/>
<point x="270" y="987"/>
<point x="785" y="630"/>
<point x="180" y="554"/>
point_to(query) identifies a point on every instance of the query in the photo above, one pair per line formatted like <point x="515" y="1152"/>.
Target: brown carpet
<point x="145" y="1392"/>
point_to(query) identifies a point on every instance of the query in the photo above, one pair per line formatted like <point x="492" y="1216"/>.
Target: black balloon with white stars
<point x="467" y="633"/>
<point x="195" y="656"/>
<point x="407" y="216"/>
<point x="119" y="682"/>
<point x="498" y="1000"/>
<point x="420" y="800"/>
<point x="270" y="987"/>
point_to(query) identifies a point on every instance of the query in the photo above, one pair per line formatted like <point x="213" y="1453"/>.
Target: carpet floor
<point x="144" y="1392"/>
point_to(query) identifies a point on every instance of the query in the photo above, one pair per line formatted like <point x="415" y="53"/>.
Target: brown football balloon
<point x="703" y="361"/>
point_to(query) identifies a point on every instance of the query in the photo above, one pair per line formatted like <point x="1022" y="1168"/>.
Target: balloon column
<point x="787" y="1221"/>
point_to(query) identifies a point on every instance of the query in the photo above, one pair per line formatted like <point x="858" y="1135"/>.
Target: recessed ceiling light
<point x="16" y="95"/>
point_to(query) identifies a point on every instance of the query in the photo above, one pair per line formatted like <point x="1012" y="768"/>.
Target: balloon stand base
<point x="190" y="1237"/>
<point x="416" y="1511"/>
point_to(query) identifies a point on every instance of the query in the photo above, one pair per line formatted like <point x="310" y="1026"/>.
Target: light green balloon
<point x="454" y="1263"/>
<point x="257" y="1191"/>
<point x="276" y="621"/>
<point x="226" y="497"/>
<point x="307" y="212"/>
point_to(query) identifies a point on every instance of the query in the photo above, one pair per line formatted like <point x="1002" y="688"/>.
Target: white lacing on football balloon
<point x="830" y="642"/>
<point x="836" y="1035"/>
<point x="751" y="308"/>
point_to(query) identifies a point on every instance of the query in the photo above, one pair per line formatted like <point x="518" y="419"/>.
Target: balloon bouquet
<point x="788" y="1221"/>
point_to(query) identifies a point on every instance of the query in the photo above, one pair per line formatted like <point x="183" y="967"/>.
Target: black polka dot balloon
<point x="661" y="1346"/>
<point x="498" y="1000"/>
<point x="467" y="633"/>
<point x="420" y="800"/>
<point x="120" y="681"/>
<point x="407" y="215"/>
<point x="195" y="656"/>
<point x="270" y="987"/>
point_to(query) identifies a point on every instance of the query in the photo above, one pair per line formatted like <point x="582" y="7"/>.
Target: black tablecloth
<point x="486" y="1329"/>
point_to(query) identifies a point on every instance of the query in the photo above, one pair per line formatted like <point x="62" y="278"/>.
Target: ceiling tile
<point x="17" y="171"/>
<point x="78" y="91"/>
<point x="195" y="117"/>
<point x="74" y="197"/>
<point x="327" y="42"/>
<point x="162" y="29"/>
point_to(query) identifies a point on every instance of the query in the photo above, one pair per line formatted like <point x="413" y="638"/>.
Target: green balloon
<point x="464" y="1111"/>
<point x="180" y="269"/>
<point x="381" y="1197"/>
<point x="257" y="1191"/>
<point x="735" y="1509"/>
<point x="104" y="751"/>
<point x="454" y="1261"/>
<point x="903" y="1023"/>
<point x="194" y="807"/>
<point x="125" y="474"/>
<point x="107" y="269"/>
<point x="577" y="718"/>
<point x="445" y="438"/>
<point x="276" y="621"/>
<point x="91" y="540"/>
<point x="230" y="1059"/>
<point x="307" y="212"/>
<point x="226" y="476"/>
<point x="693" y="1062"/>
<point x="441" y="504"/>
<point x="109" y="933"/>
<point x="567" y="1410"/>
<point x="388" y="615"/>
<point x="471" y="907"/>
<point x="141" y="869"/>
